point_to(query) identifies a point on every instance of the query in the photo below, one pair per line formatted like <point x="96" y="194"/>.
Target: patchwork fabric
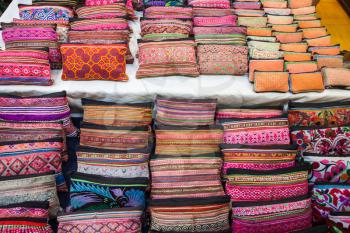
<point x="288" y="215"/>
<point x="259" y="185"/>
<point x="190" y="215"/>
<point x="114" y="114"/>
<point x="185" y="112"/>
<point x="114" y="220"/>
<point x="93" y="192"/>
<point x="336" y="77"/>
<point x="227" y="112"/>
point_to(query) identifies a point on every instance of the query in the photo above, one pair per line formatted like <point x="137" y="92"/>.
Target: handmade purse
<point x="160" y="29"/>
<point x="57" y="14"/>
<point x="259" y="31"/>
<point x="247" y="5"/>
<point x="334" y="61"/>
<point x="229" y="20"/>
<point x="306" y="82"/>
<point x="264" y="65"/>
<point x="163" y="3"/>
<point x="99" y="24"/>
<point x="301" y="67"/>
<point x="279" y="19"/>
<point x="284" y="27"/>
<point x="289" y="37"/>
<point x="281" y="4"/>
<point x="55" y="2"/>
<point x="262" y="45"/>
<point x="228" y="112"/>
<point x="277" y="11"/>
<point x="299" y="4"/>
<point x="312" y="16"/>
<point x="336" y="77"/>
<point x="295" y="47"/>
<point x="271" y="81"/>
<point x="304" y="10"/>
<point x="251" y="13"/>
<point x="311" y="33"/>
<point x="222" y="4"/>
<point x="252" y="21"/>
<point x="325" y="50"/>
<point x="295" y="56"/>
<point x="102" y="12"/>
<point x="255" y="53"/>
<point x="100" y="2"/>
<point x="309" y="23"/>
<point x="321" y="41"/>
<point x="262" y="38"/>
<point x="158" y="12"/>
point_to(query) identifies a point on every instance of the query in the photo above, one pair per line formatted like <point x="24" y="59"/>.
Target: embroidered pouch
<point x="312" y="16"/>
<point x="262" y="45"/>
<point x="274" y="3"/>
<point x="100" y="2"/>
<point x="325" y="50"/>
<point x="229" y="20"/>
<point x="299" y="4"/>
<point x="222" y="4"/>
<point x="306" y="82"/>
<point x="113" y="220"/>
<point x="55" y="2"/>
<point x="159" y="12"/>
<point x="328" y="198"/>
<point x="102" y="12"/>
<point x="284" y="27"/>
<point x="94" y="62"/>
<point x="212" y="13"/>
<point x="336" y="77"/>
<point x="222" y="59"/>
<point x="304" y="10"/>
<point x="262" y="38"/>
<point x="258" y="157"/>
<point x="301" y="67"/>
<point x="270" y="185"/>
<point x="264" y="65"/>
<point x="167" y="3"/>
<point x="295" y="47"/>
<point x="294" y="57"/>
<point x="59" y="14"/>
<point x="247" y="5"/>
<point x="322" y="140"/>
<point x="256" y="131"/>
<point x="246" y="12"/>
<point x="171" y="140"/>
<point x="309" y="23"/>
<point x="311" y="33"/>
<point x="185" y="112"/>
<point x="93" y="192"/>
<point x="338" y="222"/>
<point x="45" y="108"/>
<point x="288" y="215"/>
<point x="335" y="61"/>
<point x="160" y="29"/>
<point x="29" y="216"/>
<point x="271" y="81"/>
<point x="259" y="31"/>
<point x="277" y="11"/>
<point x="255" y="53"/>
<point x="289" y="37"/>
<point x="115" y="114"/>
<point x="24" y="188"/>
<point x="99" y="24"/>
<point x="252" y="21"/>
<point x="228" y="112"/>
<point x="186" y="176"/>
<point x="190" y="215"/>
<point x="279" y="19"/>
<point x="115" y="137"/>
<point x="166" y="58"/>
<point x="113" y="163"/>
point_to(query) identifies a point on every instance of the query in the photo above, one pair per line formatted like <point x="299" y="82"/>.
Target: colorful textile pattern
<point x="319" y="114"/>
<point x="190" y="215"/>
<point x="227" y="112"/>
<point x="123" y="220"/>
<point x="25" y="217"/>
<point x="93" y="192"/>
<point x="114" y="137"/>
<point x="27" y="67"/>
<point x="102" y="12"/>
<point x="327" y="198"/>
<point x="114" y="114"/>
<point x="185" y="112"/>
<point x="249" y="185"/>
<point x="222" y="59"/>
<point x="186" y="176"/>
<point x="322" y="140"/>
<point x="55" y="2"/>
<point x="99" y="24"/>
<point x="45" y="108"/>
<point x="111" y="163"/>
<point x="47" y="13"/>
<point x="17" y="189"/>
<point x="94" y="62"/>
<point x="158" y="12"/>
<point x="257" y="131"/>
<point x="288" y="215"/>
<point x="328" y="168"/>
<point x="161" y="29"/>
<point x="222" y="4"/>
<point x="220" y="35"/>
<point x="100" y="2"/>
<point x="188" y="141"/>
<point x="148" y="3"/>
<point x="258" y="157"/>
<point x="339" y="222"/>
<point x="167" y="58"/>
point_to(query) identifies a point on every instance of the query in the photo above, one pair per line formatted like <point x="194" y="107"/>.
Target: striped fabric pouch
<point x="336" y="77"/>
<point x="320" y="41"/>
<point x="99" y="24"/>
<point x="271" y="81"/>
<point x="259" y="31"/>
<point x="304" y="10"/>
<point x="100" y="2"/>
<point x="158" y="12"/>
<point x="228" y="112"/>
<point x="279" y="19"/>
<point x="288" y="215"/>
<point x="306" y="82"/>
<point x="277" y="11"/>
<point x="309" y="23"/>
<point x="113" y="163"/>
<point x="93" y="192"/>
<point x="113" y="220"/>
<point x="50" y="14"/>
<point x="102" y="12"/>
<point x="215" y="12"/>
<point x="229" y="20"/>
<point x="252" y="21"/>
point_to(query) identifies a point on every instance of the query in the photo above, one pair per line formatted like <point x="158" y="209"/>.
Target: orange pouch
<point x="292" y="56"/>
<point x="264" y="65"/>
<point x="275" y="4"/>
<point x="325" y="50"/>
<point x="279" y="19"/>
<point x="336" y="77"/>
<point x="299" y="3"/>
<point x="304" y="10"/>
<point x="309" y="23"/>
<point x="285" y="27"/>
<point x="306" y="17"/>
<point x="306" y="82"/>
<point x="289" y="37"/>
<point x="271" y="81"/>
<point x="294" y="47"/>
<point x="311" y="33"/>
<point x="335" y="61"/>
<point x="320" y="41"/>
<point x="257" y="31"/>
<point x="300" y="67"/>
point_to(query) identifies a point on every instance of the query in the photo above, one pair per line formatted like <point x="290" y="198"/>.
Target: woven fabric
<point x="277" y="11"/>
<point x="46" y="108"/>
<point x="222" y="59"/>
<point x="255" y="53"/>
<point x="262" y="45"/>
<point x="159" y="12"/>
<point x="114" y="114"/>
<point x="94" y="62"/>
<point x="185" y="112"/>
<point x="160" y="29"/>
<point x="214" y="12"/>
<point x="185" y="176"/>
<point x="338" y="222"/>
<point x="336" y="77"/>
<point x="167" y="58"/>
<point x="257" y="157"/>
<point x="328" y="198"/>
<point x="248" y="185"/>
<point x="257" y="131"/>
<point x="102" y="12"/>
<point x="222" y="4"/>
<point x="274" y="4"/>
<point x="285" y="27"/>
<point x="227" y="112"/>
<point x="111" y="163"/>
<point x="100" y="2"/>
<point x="172" y="3"/>
<point x="313" y="16"/>
<point x="309" y="23"/>
<point x="295" y="57"/>
<point x="93" y="192"/>
<point x="325" y="50"/>
<point x="285" y="216"/>
<point x="47" y="13"/>
<point x="271" y="81"/>
<point x="246" y="5"/>
<point x="188" y="141"/>
<point x="126" y="220"/>
<point x="304" y="10"/>
<point x="252" y="21"/>
<point x="306" y="82"/>
<point x="99" y="24"/>
<point x="264" y="65"/>
<point x="229" y="20"/>
<point x="322" y="140"/>
<point x="294" y="47"/>
<point x="289" y="37"/>
<point x="302" y="67"/>
<point x="17" y="189"/>
<point x="219" y="30"/>
<point x="335" y="61"/>
<point x="190" y="215"/>
<point x="115" y="137"/>
<point x="251" y="13"/>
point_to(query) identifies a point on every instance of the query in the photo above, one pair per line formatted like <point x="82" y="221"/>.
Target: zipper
<point x="105" y="127"/>
<point x="262" y="203"/>
<point x="298" y="167"/>
<point x="110" y="181"/>
<point x="52" y="95"/>
<point x="31" y="141"/>
<point x="276" y="147"/>
<point x="189" y="201"/>
<point x="98" y="150"/>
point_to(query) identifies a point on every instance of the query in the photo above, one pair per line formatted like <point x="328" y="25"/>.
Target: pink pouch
<point x="28" y="33"/>
<point x="229" y="20"/>
<point x="99" y="24"/>
<point x="100" y="2"/>
<point x="219" y="30"/>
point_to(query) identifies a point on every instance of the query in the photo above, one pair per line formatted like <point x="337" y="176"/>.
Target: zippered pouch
<point x="52" y="13"/>
<point x="113" y="220"/>
<point x="99" y="24"/>
<point x="299" y="4"/>
<point x="288" y="215"/>
<point x="229" y="20"/>
<point x="25" y="217"/>
<point x="271" y="81"/>
<point x="221" y="4"/>
<point x="93" y="192"/>
<point x="228" y="112"/>
<point x="335" y="61"/>
<point x="336" y="77"/>
<point x="289" y="37"/>
<point x="277" y="11"/>
<point x="304" y="10"/>
<point x="258" y="157"/>
<point x="219" y="30"/>
<point x="280" y="19"/>
<point x="325" y="50"/>
<point x="255" y="53"/>
<point x="321" y="41"/>
<point x="295" y="47"/>
<point x="267" y="46"/>
<point x="264" y="65"/>
<point x="312" y="16"/>
<point x="306" y="82"/>
<point x="338" y="222"/>
<point x="258" y="185"/>
<point x="190" y="215"/>
<point x="158" y="12"/>
<point x="328" y="198"/>
<point x="102" y="12"/>
<point x="166" y="27"/>
<point x="301" y="67"/>
<point x="259" y="31"/>
<point x="309" y="23"/>
<point x="274" y="4"/>
<point x="116" y="114"/>
<point x="295" y="57"/>
<point x="213" y="12"/>
<point x="322" y="140"/>
<point x="252" y="21"/>
<point x="284" y="27"/>
<point x="311" y="33"/>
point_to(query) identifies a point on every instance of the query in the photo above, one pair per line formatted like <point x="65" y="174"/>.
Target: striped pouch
<point x="247" y="5"/>
<point x="219" y="30"/>
<point x="213" y="12"/>
<point x="301" y="67"/>
<point x="295" y="57"/>
<point x="284" y="27"/>
<point x="325" y="50"/>
<point x="295" y="47"/>
<point x="274" y="3"/>
<point x="321" y="41"/>
<point x="304" y="10"/>
<point x="312" y="33"/>
<point x="335" y="61"/>
<point x="271" y="81"/>
<point x="93" y="192"/>
<point x="99" y="24"/>
<point x="264" y="65"/>
<point x="299" y="4"/>
<point x="270" y="185"/>
<point x="228" y="112"/>
<point x="309" y="23"/>
<point x="287" y="215"/>
<point x="185" y="112"/>
<point x="279" y="19"/>
<point x="252" y="21"/>
<point x="102" y="12"/>
<point x="258" y="157"/>
<point x="113" y="163"/>
<point x="165" y="28"/>
<point x="277" y="11"/>
<point x="289" y="37"/>
<point x="159" y="12"/>
<point x="113" y="220"/>
<point x="306" y="82"/>
<point x="229" y="20"/>
<point x="259" y="31"/>
<point x="338" y="222"/>
<point x="336" y="77"/>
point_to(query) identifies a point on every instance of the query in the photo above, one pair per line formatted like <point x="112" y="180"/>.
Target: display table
<point x="228" y="89"/>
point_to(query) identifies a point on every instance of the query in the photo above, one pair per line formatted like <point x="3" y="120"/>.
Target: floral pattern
<point x="339" y="223"/>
